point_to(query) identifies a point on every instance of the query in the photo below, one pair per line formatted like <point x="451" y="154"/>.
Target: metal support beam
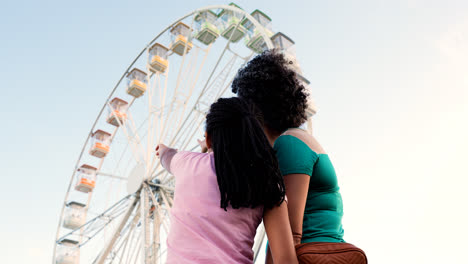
<point x="111" y="243"/>
<point x="111" y="175"/>
<point x="145" y="225"/>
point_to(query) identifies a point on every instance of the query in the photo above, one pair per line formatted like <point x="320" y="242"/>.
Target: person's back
<point x="198" y="222"/>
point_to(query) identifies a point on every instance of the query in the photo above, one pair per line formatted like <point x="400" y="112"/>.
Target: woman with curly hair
<point x="315" y="206"/>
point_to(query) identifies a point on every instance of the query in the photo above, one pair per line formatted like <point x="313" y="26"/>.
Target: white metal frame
<point x="138" y="207"/>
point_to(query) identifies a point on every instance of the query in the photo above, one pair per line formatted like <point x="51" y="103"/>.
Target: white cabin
<point x="283" y="43"/>
<point x="254" y="39"/>
<point x="75" y="215"/>
<point x="231" y="24"/>
<point x="68" y="252"/>
<point x="205" y="27"/>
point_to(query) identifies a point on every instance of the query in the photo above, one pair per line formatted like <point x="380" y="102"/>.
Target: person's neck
<point x="271" y="135"/>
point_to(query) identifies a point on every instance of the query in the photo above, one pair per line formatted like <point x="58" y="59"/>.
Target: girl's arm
<point x="278" y="231"/>
<point x="165" y="154"/>
<point x="297" y="186"/>
<point x="203" y="146"/>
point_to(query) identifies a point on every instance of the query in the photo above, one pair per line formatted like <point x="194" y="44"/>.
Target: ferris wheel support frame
<point x="124" y="220"/>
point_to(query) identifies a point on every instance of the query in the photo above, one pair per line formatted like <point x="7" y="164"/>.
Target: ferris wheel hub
<point x="136" y="177"/>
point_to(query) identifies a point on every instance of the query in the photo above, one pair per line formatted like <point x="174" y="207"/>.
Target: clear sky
<point x="390" y="79"/>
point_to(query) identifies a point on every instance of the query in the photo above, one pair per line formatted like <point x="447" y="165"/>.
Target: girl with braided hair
<point x="222" y="196"/>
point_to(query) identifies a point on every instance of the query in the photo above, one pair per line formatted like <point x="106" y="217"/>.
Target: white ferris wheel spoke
<point x="133" y="145"/>
<point x="134" y="131"/>
<point x="215" y="89"/>
<point x="166" y="200"/>
<point x="124" y="238"/>
<point x="135" y="250"/>
<point x="145" y="223"/>
<point x="90" y="229"/>
<point x="116" y="235"/>
<point x="131" y="235"/>
<point x="100" y="173"/>
<point x="176" y="94"/>
<point x="156" y="229"/>
<point x="165" y="187"/>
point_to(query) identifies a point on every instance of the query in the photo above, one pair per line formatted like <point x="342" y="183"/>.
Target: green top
<point x="324" y="207"/>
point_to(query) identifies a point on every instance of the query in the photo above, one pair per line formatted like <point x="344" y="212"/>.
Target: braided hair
<point x="246" y="166"/>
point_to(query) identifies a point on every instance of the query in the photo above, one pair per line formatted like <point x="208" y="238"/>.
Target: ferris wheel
<point x="116" y="207"/>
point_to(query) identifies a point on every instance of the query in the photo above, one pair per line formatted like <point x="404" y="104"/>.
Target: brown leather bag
<point x="326" y="253"/>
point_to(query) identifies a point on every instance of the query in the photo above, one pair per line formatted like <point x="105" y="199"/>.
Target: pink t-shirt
<point x="201" y="231"/>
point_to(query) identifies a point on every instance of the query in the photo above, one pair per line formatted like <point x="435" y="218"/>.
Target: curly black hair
<point x="270" y="82"/>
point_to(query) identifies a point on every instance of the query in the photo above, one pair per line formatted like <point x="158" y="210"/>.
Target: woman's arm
<point x="297" y="186"/>
<point x="279" y="235"/>
<point x="165" y="154"/>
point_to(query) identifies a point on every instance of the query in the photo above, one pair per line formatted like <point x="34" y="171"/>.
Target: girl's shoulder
<point x="187" y="157"/>
<point x="186" y="162"/>
<point x="302" y="136"/>
<point x="294" y="156"/>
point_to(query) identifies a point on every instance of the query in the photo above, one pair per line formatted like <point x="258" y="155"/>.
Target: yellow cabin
<point x="137" y="82"/>
<point x="205" y="27"/>
<point x="100" y="143"/>
<point x="180" y="33"/>
<point x="86" y="176"/>
<point x="230" y="24"/>
<point x="68" y="252"/>
<point x="254" y="39"/>
<point x="75" y="215"/>
<point x="118" y="112"/>
<point x="158" y="58"/>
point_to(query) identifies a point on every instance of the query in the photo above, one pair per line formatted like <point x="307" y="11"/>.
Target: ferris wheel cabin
<point x="158" y="58"/>
<point x="75" y="215"/>
<point x="68" y="252"/>
<point x="311" y="109"/>
<point x="137" y="82"/>
<point x="180" y="33"/>
<point x="100" y="143"/>
<point x="303" y="79"/>
<point x="296" y="67"/>
<point x="286" y="45"/>
<point x="118" y="112"/>
<point x="283" y="42"/>
<point x="254" y="40"/>
<point x="231" y="24"/>
<point x="205" y="29"/>
<point x="86" y="175"/>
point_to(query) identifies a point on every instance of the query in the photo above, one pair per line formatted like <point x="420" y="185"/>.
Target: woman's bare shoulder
<point x="307" y="138"/>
